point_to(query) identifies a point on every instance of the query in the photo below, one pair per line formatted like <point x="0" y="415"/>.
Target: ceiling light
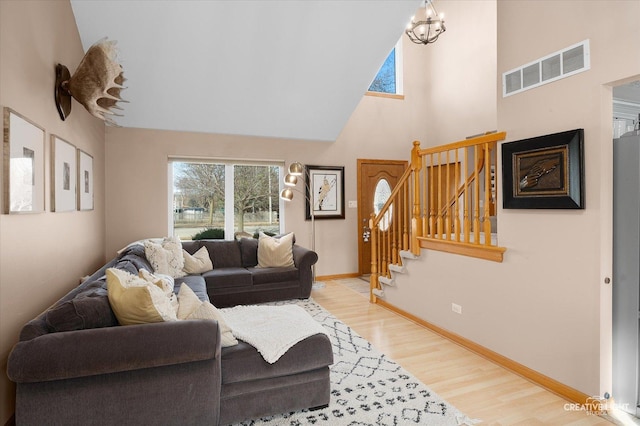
<point x="426" y="26"/>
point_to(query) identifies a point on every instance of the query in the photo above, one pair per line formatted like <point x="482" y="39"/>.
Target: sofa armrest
<point x="90" y="352"/>
<point x="304" y="260"/>
<point x="303" y="257"/>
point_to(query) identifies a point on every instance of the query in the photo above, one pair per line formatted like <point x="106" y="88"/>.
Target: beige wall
<point x="461" y="69"/>
<point x="546" y="305"/>
<point x="136" y="191"/>
<point x="43" y="255"/>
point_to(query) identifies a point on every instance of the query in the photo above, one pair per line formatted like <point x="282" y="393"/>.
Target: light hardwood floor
<point x="477" y="387"/>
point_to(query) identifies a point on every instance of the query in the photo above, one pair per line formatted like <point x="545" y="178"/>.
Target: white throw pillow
<point x="191" y="307"/>
<point x="275" y="252"/>
<point x="137" y="301"/>
<point x="197" y="263"/>
<point x="166" y="257"/>
<point x="165" y="282"/>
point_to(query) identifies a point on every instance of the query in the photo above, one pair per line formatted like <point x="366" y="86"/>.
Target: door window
<point x="380" y="197"/>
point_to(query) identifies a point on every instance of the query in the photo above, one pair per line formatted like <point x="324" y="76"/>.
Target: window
<point x="380" y="197"/>
<point x="389" y="77"/>
<point x="224" y="198"/>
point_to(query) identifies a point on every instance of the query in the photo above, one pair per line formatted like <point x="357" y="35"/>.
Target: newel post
<point x="416" y="223"/>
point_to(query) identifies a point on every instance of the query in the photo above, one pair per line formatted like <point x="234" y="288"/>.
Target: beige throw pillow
<point x="137" y="301"/>
<point x="188" y="302"/>
<point x="275" y="252"/>
<point x="197" y="263"/>
<point x="191" y="307"/>
<point x="166" y="257"/>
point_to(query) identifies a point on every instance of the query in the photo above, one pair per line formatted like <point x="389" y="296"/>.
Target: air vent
<point x="564" y="63"/>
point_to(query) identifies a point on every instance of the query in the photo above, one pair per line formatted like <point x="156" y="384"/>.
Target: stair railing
<point x="444" y="201"/>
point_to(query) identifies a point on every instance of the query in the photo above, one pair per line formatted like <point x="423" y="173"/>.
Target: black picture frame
<point x="324" y="186"/>
<point x="544" y="172"/>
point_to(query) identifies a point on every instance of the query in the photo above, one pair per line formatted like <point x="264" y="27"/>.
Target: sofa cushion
<point x="82" y="313"/>
<point x="273" y="275"/>
<point x="191" y="308"/>
<point x="196" y="283"/>
<point x="127" y="265"/>
<point x="89" y="308"/>
<point x="243" y="362"/>
<point x="227" y="277"/>
<point x="136" y="301"/>
<point x="166" y="257"/>
<point x="224" y="254"/>
<point x="198" y="262"/>
<point x="249" y="251"/>
<point x="191" y="246"/>
<point x="135" y="254"/>
<point x="165" y="282"/>
<point x="275" y="252"/>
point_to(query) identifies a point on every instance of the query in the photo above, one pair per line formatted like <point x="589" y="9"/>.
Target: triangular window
<point x="389" y="77"/>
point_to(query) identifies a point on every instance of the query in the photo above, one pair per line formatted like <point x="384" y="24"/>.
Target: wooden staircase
<point x="444" y="201"/>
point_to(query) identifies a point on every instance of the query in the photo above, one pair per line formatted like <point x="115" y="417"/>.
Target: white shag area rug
<point x="367" y="388"/>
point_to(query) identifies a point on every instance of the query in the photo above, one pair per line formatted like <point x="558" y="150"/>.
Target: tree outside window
<point x="204" y="200"/>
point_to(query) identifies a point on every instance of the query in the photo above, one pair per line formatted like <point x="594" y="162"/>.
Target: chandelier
<point x="426" y="26"/>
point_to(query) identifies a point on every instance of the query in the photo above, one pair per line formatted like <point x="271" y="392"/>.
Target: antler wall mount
<point x="96" y="84"/>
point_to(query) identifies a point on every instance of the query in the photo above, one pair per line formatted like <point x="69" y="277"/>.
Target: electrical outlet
<point x="456" y="308"/>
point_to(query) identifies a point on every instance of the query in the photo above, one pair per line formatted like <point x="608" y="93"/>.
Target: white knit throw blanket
<point x="272" y="330"/>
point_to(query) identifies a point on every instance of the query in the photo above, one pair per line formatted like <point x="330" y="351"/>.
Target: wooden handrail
<point x="478" y="140"/>
<point x="423" y="211"/>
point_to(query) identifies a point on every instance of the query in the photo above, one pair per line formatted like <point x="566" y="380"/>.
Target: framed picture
<point x="324" y="192"/>
<point x="544" y="172"/>
<point x="63" y="175"/>
<point x="23" y="164"/>
<point x="85" y="181"/>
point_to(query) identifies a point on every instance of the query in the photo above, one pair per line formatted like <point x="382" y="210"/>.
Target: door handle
<point x="366" y="231"/>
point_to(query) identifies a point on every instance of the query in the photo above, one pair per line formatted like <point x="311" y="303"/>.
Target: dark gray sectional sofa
<point x="236" y="279"/>
<point x="75" y="365"/>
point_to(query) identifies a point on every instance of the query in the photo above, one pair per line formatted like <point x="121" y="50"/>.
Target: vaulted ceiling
<point x="291" y="69"/>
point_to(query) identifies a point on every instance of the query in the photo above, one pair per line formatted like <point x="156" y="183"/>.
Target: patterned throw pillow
<point x="197" y="263"/>
<point x="136" y="301"/>
<point x="190" y="307"/>
<point x="275" y="252"/>
<point x="165" y="282"/>
<point x="166" y="257"/>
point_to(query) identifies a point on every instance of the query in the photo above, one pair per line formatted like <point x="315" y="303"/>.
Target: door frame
<point x="360" y="162"/>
